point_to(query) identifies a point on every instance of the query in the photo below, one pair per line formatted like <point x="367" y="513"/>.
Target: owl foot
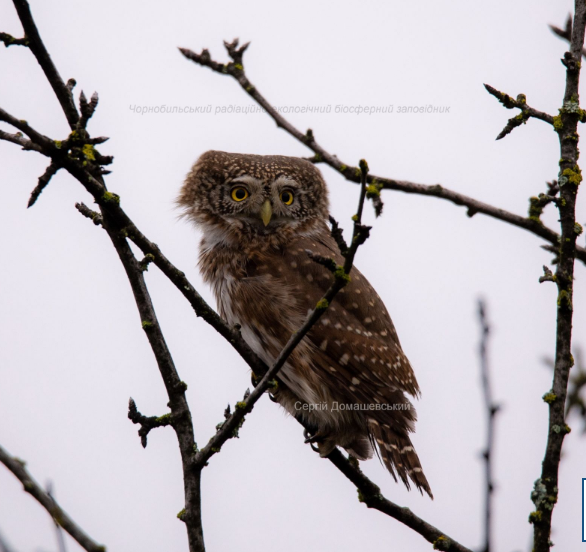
<point x="322" y="439"/>
<point x="317" y="438"/>
<point x="311" y="438"/>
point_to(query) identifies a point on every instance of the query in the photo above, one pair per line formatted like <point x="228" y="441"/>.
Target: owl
<point x="348" y="378"/>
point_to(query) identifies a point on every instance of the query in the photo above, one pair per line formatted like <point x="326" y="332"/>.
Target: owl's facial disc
<point x="263" y="206"/>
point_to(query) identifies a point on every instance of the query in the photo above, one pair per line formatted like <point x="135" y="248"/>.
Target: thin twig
<point x="545" y="491"/>
<point x="180" y="413"/>
<point x="43" y="182"/>
<point x="9" y="40"/>
<point x="19" y="140"/>
<point x="146" y="422"/>
<point x="566" y="33"/>
<point x="576" y="397"/>
<point x="87" y="109"/>
<point x="370" y="494"/>
<point x="85" y="165"/>
<point x="58" y="529"/>
<point x="491" y="410"/>
<point x="94" y="216"/>
<point x="235" y="69"/>
<point x="35" y="43"/>
<point x="43" y="142"/>
<point x="576" y="400"/>
<point x="17" y="467"/>
<point x="527" y="112"/>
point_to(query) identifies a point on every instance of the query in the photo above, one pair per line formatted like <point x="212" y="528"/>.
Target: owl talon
<point x="309" y="439"/>
<point x="317" y="437"/>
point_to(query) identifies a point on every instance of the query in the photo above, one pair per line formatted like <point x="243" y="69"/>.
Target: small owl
<point x="348" y="377"/>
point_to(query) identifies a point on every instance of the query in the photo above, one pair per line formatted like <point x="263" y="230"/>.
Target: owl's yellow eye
<point x="287" y="197"/>
<point x="239" y="193"/>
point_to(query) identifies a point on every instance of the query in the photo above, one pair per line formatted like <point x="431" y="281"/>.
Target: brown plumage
<point x="259" y="215"/>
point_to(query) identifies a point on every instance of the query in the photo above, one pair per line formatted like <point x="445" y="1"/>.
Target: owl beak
<point x="266" y="212"/>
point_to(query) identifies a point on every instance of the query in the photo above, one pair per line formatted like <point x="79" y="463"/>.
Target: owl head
<point x="254" y="196"/>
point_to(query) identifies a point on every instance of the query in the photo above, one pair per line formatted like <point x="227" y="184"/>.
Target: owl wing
<point x="355" y="336"/>
<point x="354" y="349"/>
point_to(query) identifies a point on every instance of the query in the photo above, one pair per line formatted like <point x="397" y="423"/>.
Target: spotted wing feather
<point x="355" y="350"/>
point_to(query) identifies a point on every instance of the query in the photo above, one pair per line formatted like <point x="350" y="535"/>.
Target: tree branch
<point x="17" y="467"/>
<point x="180" y="413"/>
<point x="87" y="170"/>
<point x="566" y="33"/>
<point x="520" y="103"/>
<point x="37" y="47"/>
<point x="146" y="422"/>
<point x="58" y="529"/>
<point x="491" y="410"/>
<point x="545" y="492"/>
<point x="43" y="182"/>
<point x="235" y="69"/>
<point x="370" y="494"/>
<point x="9" y="40"/>
<point x="19" y="140"/>
<point x="576" y="400"/>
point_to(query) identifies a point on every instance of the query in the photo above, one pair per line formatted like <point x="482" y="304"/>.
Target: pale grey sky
<point x="72" y="350"/>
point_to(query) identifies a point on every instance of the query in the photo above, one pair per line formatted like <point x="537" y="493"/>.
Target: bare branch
<point x="17" y="467"/>
<point x="548" y="275"/>
<point x="538" y="203"/>
<point x="376" y="183"/>
<point x="87" y="109"/>
<point x="95" y="217"/>
<point x="180" y="413"/>
<point x="146" y="422"/>
<point x="520" y="103"/>
<point x="576" y="397"/>
<point x="19" y="140"/>
<point x="576" y="400"/>
<point x="566" y="33"/>
<point x="35" y="43"/>
<point x="545" y="492"/>
<point x="58" y="529"/>
<point x="84" y="163"/>
<point x="491" y="410"/>
<point x="42" y="143"/>
<point x="9" y="40"/>
<point x="43" y="182"/>
<point x="370" y="494"/>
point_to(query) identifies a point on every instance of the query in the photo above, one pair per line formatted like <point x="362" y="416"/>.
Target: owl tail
<point x="398" y="455"/>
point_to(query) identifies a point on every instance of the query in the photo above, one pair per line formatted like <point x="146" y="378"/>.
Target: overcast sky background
<point x="72" y="350"/>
